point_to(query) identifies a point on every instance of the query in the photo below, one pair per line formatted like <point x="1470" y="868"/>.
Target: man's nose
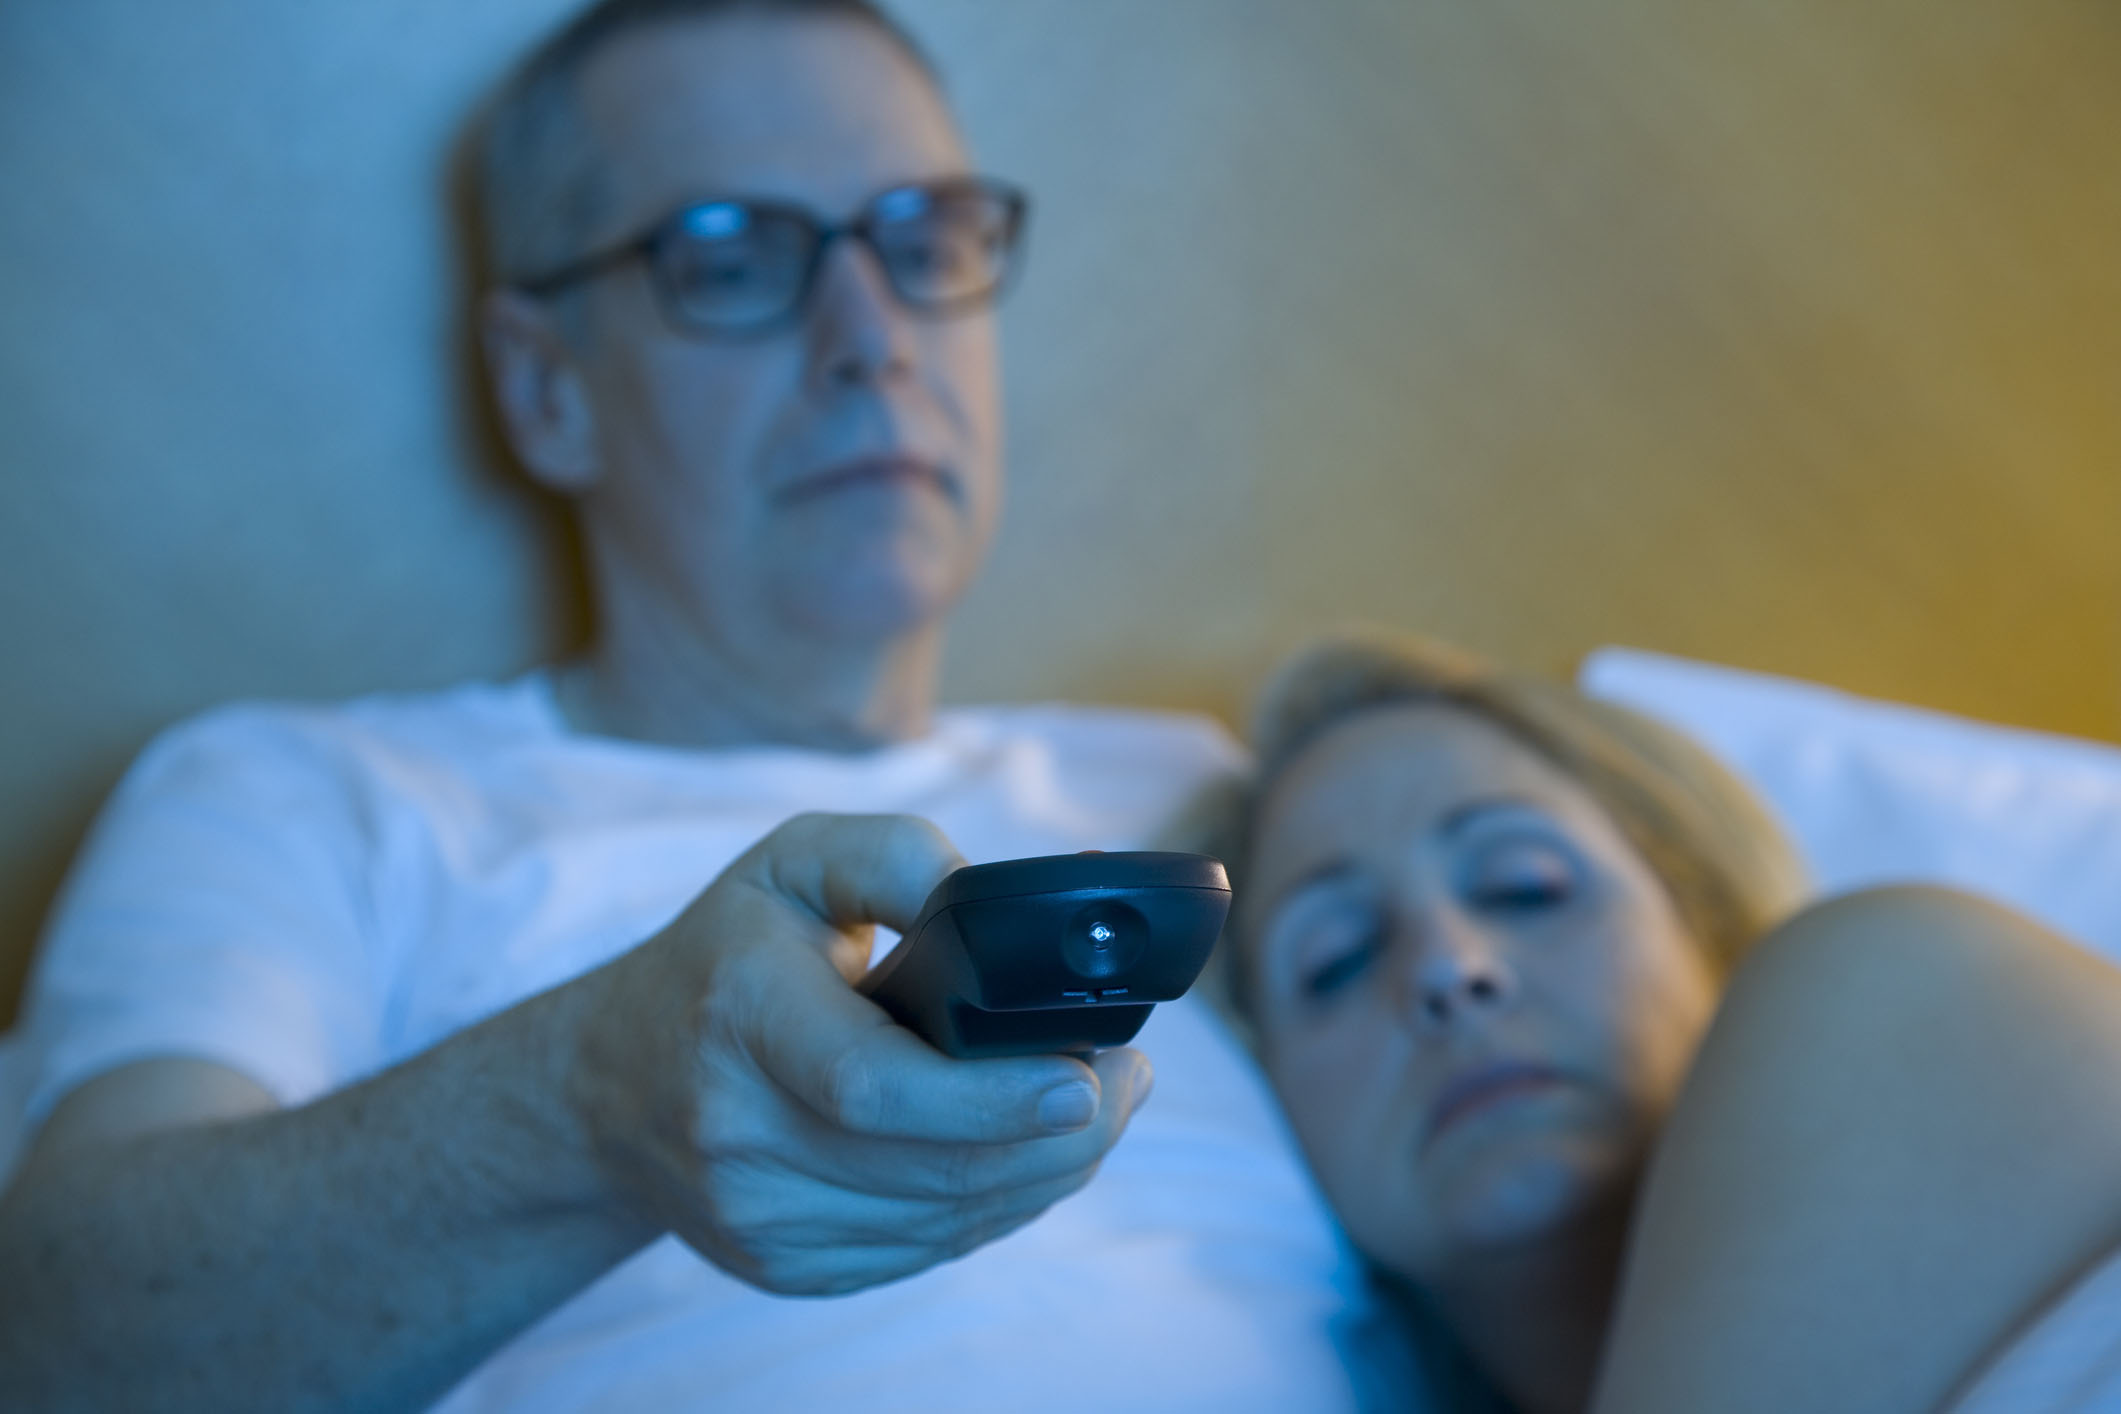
<point x="1452" y="970"/>
<point x="860" y="333"/>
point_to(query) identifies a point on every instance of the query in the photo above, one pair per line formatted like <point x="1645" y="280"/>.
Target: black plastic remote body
<point x="1068" y="952"/>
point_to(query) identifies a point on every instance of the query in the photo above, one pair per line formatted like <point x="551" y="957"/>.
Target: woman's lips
<point x="1476" y="1090"/>
<point x="871" y="471"/>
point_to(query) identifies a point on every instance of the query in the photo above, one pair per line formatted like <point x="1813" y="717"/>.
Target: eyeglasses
<point x="734" y="266"/>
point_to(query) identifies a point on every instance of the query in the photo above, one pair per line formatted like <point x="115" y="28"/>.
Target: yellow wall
<point x="1784" y="332"/>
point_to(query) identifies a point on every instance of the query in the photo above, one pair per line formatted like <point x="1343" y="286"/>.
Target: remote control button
<point x="1103" y="940"/>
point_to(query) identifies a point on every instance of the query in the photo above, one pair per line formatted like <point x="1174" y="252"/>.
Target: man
<point x="358" y="1081"/>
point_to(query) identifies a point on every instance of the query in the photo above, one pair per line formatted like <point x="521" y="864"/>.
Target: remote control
<point x="1064" y="953"/>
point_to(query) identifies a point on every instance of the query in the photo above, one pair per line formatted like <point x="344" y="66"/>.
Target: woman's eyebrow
<point x="1326" y="871"/>
<point x="1469" y="811"/>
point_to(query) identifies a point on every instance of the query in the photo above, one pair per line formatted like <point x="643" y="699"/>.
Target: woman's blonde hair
<point x="1726" y="865"/>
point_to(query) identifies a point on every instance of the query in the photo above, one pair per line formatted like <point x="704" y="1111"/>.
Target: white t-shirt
<point x="309" y="895"/>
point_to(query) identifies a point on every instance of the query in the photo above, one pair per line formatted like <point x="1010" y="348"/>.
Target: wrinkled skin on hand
<point x="742" y="1095"/>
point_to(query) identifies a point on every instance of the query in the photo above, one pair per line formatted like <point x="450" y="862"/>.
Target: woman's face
<point x="1477" y="1001"/>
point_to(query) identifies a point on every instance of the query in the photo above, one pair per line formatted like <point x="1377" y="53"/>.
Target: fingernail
<point x="1144" y="1082"/>
<point x="1069" y="1106"/>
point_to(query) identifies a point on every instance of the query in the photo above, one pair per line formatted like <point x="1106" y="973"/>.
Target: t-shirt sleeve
<point x="221" y="910"/>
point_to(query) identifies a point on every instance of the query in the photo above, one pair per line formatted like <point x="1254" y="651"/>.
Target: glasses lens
<point x="728" y="265"/>
<point x="946" y="246"/>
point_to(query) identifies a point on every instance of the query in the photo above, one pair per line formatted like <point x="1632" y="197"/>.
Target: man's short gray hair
<point x="536" y="168"/>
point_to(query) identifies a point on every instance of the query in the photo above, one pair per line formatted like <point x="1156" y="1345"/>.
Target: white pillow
<point x="1877" y="792"/>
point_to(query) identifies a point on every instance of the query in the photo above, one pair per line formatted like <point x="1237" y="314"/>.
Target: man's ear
<point x="538" y="391"/>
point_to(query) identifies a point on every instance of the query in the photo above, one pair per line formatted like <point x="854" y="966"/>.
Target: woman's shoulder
<point x="2067" y="1359"/>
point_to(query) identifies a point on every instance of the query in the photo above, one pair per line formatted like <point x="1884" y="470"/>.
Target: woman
<point x="1521" y="969"/>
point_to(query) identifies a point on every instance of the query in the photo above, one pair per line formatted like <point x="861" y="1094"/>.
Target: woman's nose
<point x="1455" y="971"/>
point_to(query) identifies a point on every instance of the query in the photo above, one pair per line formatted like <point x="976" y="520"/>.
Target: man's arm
<point x="363" y="1251"/>
<point x="166" y="1245"/>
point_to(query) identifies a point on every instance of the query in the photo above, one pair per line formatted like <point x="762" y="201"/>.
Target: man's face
<point x="832" y="480"/>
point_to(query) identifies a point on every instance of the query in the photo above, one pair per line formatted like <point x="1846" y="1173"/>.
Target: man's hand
<point x="745" y="1097"/>
<point x="161" y="1246"/>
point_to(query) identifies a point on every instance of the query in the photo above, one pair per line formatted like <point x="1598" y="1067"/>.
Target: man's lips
<point x="1476" y="1090"/>
<point x="871" y="471"/>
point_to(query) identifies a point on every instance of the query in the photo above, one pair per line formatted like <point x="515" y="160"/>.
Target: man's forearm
<point x="721" y="1082"/>
<point x="361" y="1252"/>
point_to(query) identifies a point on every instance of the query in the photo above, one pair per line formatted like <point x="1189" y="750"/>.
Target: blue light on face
<point x="904" y="204"/>
<point x="717" y="219"/>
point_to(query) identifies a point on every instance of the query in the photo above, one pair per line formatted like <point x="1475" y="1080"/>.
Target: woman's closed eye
<point x="1329" y="939"/>
<point x="1322" y="977"/>
<point x="1519" y="876"/>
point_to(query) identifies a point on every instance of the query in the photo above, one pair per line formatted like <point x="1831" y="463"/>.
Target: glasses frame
<point x="647" y="246"/>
